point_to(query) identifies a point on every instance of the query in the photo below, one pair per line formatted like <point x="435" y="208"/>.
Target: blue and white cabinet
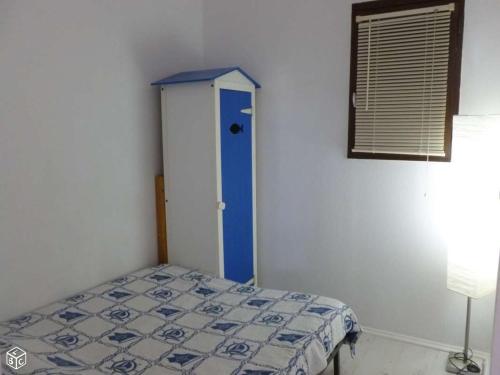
<point x="208" y="132"/>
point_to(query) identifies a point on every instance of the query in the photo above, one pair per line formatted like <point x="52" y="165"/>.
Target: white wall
<point x="495" y="352"/>
<point x="359" y="230"/>
<point x="80" y="138"/>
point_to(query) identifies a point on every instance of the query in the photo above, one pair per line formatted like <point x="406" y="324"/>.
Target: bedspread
<point x="171" y="320"/>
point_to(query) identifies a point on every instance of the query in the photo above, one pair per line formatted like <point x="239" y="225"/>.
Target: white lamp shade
<point x="474" y="221"/>
<point x="472" y="275"/>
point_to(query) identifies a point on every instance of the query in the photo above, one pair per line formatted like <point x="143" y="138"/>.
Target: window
<point x="405" y="78"/>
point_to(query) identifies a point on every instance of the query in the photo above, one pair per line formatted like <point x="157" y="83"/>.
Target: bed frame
<point x="161" y="220"/>
<point x="335" y="357"/>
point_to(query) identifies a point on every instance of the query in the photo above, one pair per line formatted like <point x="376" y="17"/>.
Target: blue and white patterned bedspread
<point x="170" y="320"/>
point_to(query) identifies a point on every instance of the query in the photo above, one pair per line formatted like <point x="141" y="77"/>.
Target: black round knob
<point x="236" y="129"/>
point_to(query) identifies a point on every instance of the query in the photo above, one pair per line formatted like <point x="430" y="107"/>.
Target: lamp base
<point x="456" y="365"/>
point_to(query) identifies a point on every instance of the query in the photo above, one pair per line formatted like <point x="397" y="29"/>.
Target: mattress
<point x="171" y="320"/>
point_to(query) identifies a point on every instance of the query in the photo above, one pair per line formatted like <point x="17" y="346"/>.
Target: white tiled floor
<point x="377" y="355"/>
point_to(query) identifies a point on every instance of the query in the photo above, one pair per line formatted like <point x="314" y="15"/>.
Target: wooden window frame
<point x="454" y="71"/>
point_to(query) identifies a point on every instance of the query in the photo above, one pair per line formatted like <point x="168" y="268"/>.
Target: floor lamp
<point x="473" y="282"/>
<point x="475" y="226"/>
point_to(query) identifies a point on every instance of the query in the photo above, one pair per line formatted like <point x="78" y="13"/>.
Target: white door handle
<point x="221" y="206"/>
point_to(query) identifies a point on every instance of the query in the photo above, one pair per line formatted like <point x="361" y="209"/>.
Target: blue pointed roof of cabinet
<point x="202" y="75"/>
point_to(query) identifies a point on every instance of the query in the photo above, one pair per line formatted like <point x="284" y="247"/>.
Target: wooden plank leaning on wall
<point x="161" y="220"/>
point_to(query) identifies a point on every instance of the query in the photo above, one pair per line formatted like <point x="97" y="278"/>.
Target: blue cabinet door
<point x="236" y="168"/>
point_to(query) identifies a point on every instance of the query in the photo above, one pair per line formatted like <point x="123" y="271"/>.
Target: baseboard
<point x="427" y="344"/>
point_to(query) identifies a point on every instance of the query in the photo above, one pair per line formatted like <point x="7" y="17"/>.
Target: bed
<point x="171" y="320"/>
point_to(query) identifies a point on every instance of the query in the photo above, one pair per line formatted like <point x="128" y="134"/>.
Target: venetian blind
<point x="402" y="82"/>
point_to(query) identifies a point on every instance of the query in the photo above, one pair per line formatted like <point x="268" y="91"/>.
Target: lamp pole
<point x="467" y="330"/>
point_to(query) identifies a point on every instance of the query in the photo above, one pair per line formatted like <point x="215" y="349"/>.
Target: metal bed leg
<point x="336" y="364"/>
<point x="335" y="357"/>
